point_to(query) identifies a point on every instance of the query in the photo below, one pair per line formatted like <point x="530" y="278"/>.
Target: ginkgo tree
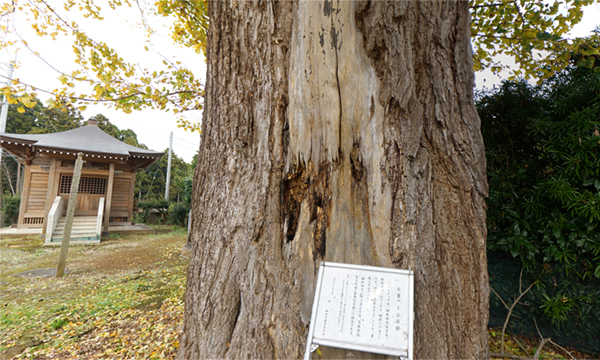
<point x="297" y="167"/>
<point x="108" y="78"/>
<point x="532" y="32"/>
<point x="191" y="22"/>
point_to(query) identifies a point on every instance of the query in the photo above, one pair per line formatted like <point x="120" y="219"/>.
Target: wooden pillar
<point x="24" y="196"/>
<point x="109" y="191"/>
<point x="131" y="192"/>
<point x="50" y="194"/>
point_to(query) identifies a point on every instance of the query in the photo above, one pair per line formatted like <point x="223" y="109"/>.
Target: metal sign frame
<point x="313" y="343"/>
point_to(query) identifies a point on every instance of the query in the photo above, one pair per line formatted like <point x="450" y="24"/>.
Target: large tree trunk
<point x="339" y="131"/>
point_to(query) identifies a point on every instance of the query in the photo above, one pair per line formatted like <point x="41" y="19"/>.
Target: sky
<point x="122" y="30"/>
<point x="591" y="19"/>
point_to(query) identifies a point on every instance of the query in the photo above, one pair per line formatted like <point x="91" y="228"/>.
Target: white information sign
<point x="363" y="308"/>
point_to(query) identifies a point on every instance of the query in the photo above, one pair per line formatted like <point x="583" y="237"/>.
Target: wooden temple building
<point x="106" y="188"/>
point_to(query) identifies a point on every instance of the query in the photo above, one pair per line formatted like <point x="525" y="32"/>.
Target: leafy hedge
<point x="173" y="213"/>
<point x="10" y="209"/>
<point x="543" y="153"/>
<point x="178" y="213"/>
<point x="146" y="206"/>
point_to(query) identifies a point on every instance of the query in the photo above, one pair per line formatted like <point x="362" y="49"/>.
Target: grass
<point x="103" y="308"/>
<point x="123" y="299"/>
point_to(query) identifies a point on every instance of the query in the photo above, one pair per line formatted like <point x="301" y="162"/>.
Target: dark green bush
<point x="10" y="209"/>
<point x="178" y="214"/>
<point x="187" y="190"/>
<point x="543" y="154"/>
<point x="145" y="206"/>
<point x="172" y="213"/>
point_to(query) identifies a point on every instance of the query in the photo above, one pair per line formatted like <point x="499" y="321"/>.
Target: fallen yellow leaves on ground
<point x="100" y="313"/>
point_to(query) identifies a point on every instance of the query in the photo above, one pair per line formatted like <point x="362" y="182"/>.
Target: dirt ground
<point x="114" y="293"/>
<point x="122" y="299"/>
<point x="115" y="253"/>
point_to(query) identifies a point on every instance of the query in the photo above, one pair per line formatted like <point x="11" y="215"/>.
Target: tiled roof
<point x="90" y="139"/>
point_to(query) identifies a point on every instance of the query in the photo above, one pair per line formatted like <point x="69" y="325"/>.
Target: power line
<point x="189" y="148"/>
<point x="189" y="142"/>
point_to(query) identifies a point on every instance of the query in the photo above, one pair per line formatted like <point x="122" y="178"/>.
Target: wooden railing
<point x="55" y="213"/>
<point x="99" y="219"/>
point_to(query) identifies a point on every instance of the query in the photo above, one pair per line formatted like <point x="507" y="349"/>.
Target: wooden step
<point x="62" y="226"/>
<point x="76" y="228"/>
<point x="82" y="236"/>
<point x="75" y="232"/>
<point x="83" y="231"/>
<point x="83" y="227"/>
<point x="79" y="220"/>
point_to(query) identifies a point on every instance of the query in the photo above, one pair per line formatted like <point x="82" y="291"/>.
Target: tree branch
<point x="511" y="310"/>
<point x="489" y="5"/>
<point x="501" y="37"/>
<point x="105" y="100"/>
<point x="519" y="11"/>
<point x="8" y="177"/>
<point x="44" y="60"/>
<point x="562" y="348"/>
<point x="538" y="351"/>
<point x="148" y="28"/>
<point x="494" y="291"/>
<point x="521" y="345"/>
<point x="510" y="356"/>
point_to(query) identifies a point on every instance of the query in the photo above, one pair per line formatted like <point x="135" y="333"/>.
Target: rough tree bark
<point x="339" y="131"/>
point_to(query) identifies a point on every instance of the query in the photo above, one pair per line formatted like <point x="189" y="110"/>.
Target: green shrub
<point x="145" y="206"/>
<point x="178" y="214"/>
<point x="543" y="154"/>
<point x="188" y="190"/>
<point x="10" y="209"/>
<point x="172" y="213"/>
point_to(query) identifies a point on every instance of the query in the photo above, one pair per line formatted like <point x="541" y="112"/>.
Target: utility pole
<point x="3" y="116"/>
<point x="169" y="167"/>
<point x="64" y="246"/>
<point x="4" y="113"/>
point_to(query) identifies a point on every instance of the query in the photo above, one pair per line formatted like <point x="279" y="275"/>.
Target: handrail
<point x="55" y="213"/>
<point x="99" y="219"/>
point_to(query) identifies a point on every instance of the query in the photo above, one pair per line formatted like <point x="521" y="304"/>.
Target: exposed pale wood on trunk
<point x="339" y="131"/>
<point x="109" y="193"/>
